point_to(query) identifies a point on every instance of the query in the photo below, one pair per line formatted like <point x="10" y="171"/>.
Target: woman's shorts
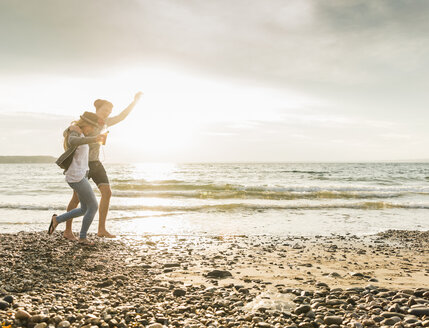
<point x="97" y="173"/>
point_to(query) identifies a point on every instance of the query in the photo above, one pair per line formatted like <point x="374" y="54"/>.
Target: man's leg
<point x="106" y="194"/>
<point x="74" y="202"/>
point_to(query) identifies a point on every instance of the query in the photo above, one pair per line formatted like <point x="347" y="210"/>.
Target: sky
<point x="223" y="81"/>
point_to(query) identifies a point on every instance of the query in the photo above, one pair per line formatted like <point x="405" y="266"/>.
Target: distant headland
<point x="26" y="159"/>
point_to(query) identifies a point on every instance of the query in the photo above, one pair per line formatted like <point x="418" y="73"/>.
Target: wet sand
<point x="218" y="281"/>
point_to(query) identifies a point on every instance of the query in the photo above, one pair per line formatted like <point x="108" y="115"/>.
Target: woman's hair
<point x="86" y="119"/>
<point x="100" y="102"/>
<point x="80" y="123"/>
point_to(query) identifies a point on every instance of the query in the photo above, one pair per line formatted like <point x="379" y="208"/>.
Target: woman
<point x="97" y="173"/>
<point x="76" y="175"/>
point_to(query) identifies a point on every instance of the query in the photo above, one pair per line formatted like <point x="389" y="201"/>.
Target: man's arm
<point x="118" y="118"/>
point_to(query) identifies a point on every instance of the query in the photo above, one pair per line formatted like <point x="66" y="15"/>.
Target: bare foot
<point x="106" y="234"/>
<point x="69" y="235"/>
<point x="85" y="241"/>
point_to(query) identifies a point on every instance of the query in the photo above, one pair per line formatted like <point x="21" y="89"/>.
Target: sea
<point x="280" y="199"/>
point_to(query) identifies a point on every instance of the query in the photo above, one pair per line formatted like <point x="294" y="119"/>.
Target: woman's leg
<point x="79" y="188"/>
<point x="74" y="202"/>
<point x="89" y="202"/>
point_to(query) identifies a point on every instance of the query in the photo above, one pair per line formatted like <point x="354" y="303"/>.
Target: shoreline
<point x="200" y="281"/>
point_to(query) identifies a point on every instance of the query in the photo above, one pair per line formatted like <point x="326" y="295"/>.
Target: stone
<point x="419" y="311"/>
<point x="219" y="274"/>
<point x="179" y="292"/>
<point x="388" y="322"/>
<point x="171" y="265"/>
<point x="22" y="315"/>
<point x="104" y="284"/>
<point x="392" y="314"/>
<point x="4" y="305"/>
<point x="41" y="325"/>
<point x="368" y="322"/>
<point x="155" y="325"/>
<point x="8" y="298"/>
<point x="333" y="320"/>
<point x="302" y="309"/>
<point x="64" y="324"/>
<point x="36" y="318"/>
<point x="263" y="325"/>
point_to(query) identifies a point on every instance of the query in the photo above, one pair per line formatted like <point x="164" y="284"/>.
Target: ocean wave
<point x="376" y="205"/>
<point x="134" y="185"/>
<point x="258" y="194"/>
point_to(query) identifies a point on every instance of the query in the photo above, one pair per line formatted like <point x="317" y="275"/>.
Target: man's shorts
<point x="97" y="173"/>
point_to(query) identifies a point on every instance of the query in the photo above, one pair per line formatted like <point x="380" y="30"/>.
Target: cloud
<point x="32" y="134"/>
<point x="365" y="60"/>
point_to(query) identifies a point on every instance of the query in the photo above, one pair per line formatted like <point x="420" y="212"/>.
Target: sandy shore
<point x="217" y="281"/>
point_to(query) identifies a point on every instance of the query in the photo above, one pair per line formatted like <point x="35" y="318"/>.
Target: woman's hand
<point x="138" y="96"/>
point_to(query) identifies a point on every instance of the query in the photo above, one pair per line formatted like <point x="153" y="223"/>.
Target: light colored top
<point x="79" y="165"/>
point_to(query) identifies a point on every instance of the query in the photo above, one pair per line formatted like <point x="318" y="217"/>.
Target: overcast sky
<point x="296" y="80"/>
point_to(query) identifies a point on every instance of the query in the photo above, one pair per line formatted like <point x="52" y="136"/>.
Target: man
<point x="97" y="173"/>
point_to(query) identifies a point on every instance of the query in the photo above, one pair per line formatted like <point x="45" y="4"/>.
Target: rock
<point x="8" y="298"/>
<point x="419" y="311"/>
<point x="179" y="292"/>
<point x="219" y="274"/>
<point x="155" y="325"/>
<point x="171" y="265"/>
<point x="263" y="325"/>
<point x="333" y="320"/>
<point x="388" y="322"/>
<point x="368" y="322"/>
<point x="22" y="315"/>
<point x="41" y="325"/>
<point x="4" y="305"/>
<point x="391" y="314"/>
<point x="64" y="324"/>
<point x="36" y="318"/>
<point x="302" y="309"/>
<point x="425" y="323"/>
<point x="104" y="284"/>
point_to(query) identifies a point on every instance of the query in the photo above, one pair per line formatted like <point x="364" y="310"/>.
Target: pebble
<point x="8" y="298"/>
<point x="155" y="325"/>
<point x="4" y="305"/>
<point x="64" y="324"/>
<point x="179" y="292"/>
<point x="419" y="311"/>
<point x="302" y="309"/>
<point x="22" y="315"/>
<point x="58" y="290"/>
<point x="219" y="274"/>
<point x="333" y="320"/>
<point x="41" y="325"/>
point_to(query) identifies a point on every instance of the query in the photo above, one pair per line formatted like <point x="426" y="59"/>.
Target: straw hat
<point x="91" y="118"/>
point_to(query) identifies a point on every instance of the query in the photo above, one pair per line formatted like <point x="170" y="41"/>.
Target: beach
<point x="216" y="281"/>
<point x="302" y="245"/>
